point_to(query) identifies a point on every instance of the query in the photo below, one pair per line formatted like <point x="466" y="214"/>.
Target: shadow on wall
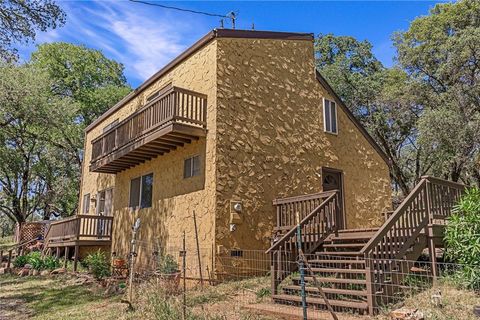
<point x="153" y="230"/>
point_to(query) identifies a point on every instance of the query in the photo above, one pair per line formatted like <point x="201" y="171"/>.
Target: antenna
<point x="232" y="17"/>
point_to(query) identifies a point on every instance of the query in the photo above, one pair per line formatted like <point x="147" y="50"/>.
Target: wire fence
<point x="220" y="283"/>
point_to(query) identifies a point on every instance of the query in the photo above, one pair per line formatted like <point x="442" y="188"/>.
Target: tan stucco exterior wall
<point x="174" y="198"/>
<point x="271" y="142"/>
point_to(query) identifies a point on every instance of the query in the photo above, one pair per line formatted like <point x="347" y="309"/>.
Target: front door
<point x="332" y="179"/>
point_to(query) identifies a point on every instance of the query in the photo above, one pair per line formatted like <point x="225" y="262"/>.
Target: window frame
<point x="192" y="166"/>
<point x="325" y="100"/>
<point x="86" y="203"/>
<point x="140" y="189"/>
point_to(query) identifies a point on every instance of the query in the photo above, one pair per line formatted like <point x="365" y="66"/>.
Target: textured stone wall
<point x="174" y="198"/>
<point x="271" y="143"/>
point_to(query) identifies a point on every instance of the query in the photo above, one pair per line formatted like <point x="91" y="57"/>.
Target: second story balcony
<point x="176" y="117"/>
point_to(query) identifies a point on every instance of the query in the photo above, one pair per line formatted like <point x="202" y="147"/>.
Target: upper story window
<point x="191" y="167"/>
<point x="330" y="116"/>
<point x="86" y="203"/>
<point x="111" y="125"/>
<point x="141" y="191"/>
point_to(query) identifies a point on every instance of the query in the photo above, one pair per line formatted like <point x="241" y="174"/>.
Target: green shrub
<point x="20" y="261"/>
<point x="51" y="263"/>
<point x="167" y="264"/>
<point x="462" y="238"/>
<point x="35" y="259"/>
<point x="37" y="262"/>
<point x="97" y="264"/>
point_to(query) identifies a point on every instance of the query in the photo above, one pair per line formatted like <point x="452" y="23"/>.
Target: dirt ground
<point x="70" y="297"/>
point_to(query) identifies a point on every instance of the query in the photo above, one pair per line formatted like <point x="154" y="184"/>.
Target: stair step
<point x="337" y="261"/>
<point x="338" y="253"/>
<point x="360" y="230"/>
<point x="332" y="280"/>
<point x="365" y="236"/>
<point x="339" y="270"/>
<point x="344" y="245"/>
<point x="320" y="301"/>
<point x="328" y="290"/>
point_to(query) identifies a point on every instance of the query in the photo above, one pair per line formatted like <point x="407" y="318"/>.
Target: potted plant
<point x="168" y="273"/>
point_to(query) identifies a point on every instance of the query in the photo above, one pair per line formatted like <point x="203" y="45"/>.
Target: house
<point x="242" y="134"/>
<point x="239" y="117"/>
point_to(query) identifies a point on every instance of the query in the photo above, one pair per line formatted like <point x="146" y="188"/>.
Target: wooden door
<point x="332" y="179"/>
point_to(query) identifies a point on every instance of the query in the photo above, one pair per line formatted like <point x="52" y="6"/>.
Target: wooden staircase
<point x="361" y="269"/>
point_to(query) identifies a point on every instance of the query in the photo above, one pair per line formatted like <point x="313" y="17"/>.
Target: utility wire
<point x="181" y="9"/>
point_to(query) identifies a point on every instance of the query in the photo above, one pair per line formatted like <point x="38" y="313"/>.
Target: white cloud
<point x="143" y="38"/>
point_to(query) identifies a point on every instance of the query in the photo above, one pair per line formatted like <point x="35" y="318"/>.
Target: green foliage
<point x="263" y="292"/>
<point x="51" y="263"/>
<point x="84" y="75"/>
<point x="98" y="265"/>
<point x="462" y="237"/>
<point x="440" y="52"/>
<point x="37" y="262"/>
<point x="20" y="261"/>
<point x="35" y="259"/>
<point x="167" y="264"/>
<point x="21" y="18"/>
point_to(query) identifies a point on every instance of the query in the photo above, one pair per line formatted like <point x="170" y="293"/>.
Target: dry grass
<point x="220" y="302"/>
<point x="456" y="303"/>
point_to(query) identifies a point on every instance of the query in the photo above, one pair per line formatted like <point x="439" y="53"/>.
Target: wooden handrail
<point x="431" y="199"/>
<point x="78" y="227"/>
<point x="306" y="220"/>
<point x="324" y="194"/>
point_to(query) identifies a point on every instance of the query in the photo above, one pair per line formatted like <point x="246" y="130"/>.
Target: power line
<point x="184" y="10"/>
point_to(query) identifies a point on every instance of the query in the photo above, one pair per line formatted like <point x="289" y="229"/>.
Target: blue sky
<point x="145" y="38"/>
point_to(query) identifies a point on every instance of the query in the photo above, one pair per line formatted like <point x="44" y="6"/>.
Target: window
<point x="86" y="203"/>
<point x="191" y="167"/>
<point x="101" y="202"/>
<point x="104" y="202"/>
<point x="111" y="125"/>
<point x="141" y="191"/>
<point x="330" y="116"/>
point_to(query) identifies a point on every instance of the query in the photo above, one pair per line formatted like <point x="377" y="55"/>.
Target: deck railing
<point x="430" y="200"/>
<point x="80" y="227"/>
<point x="319" y="223"/>
<point x="176" y="105"/>
<point x="287" y="208"/>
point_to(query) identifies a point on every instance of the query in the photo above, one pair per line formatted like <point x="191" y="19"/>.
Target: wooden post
<point x="429" y="233"/>
<point x="66" y="257"/>
<point x="58" y="252"/>
<point x="9" y="261"/>
<point x="432" y="252"/>
<point x="75" y="261"/>
<point x="198" y="248"/>
<point x="369" y="278"/>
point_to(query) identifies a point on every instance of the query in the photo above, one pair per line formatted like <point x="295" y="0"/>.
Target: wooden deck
<point x="374" y="260"/>
<point x="79" y="230"/>
<point x="176" y="117"/>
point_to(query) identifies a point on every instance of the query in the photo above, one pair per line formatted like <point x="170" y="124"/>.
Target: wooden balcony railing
<point x="80" y="227"/>
<point x="176" y="106"/>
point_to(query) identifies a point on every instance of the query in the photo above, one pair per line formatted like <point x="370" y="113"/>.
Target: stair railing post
<point x="301" y="267"/>
<point x="429" y="230"/>
<point x="370" y="284"/>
